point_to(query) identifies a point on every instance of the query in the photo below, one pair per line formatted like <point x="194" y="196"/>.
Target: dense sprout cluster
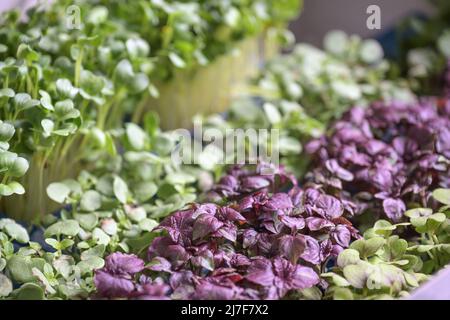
<point x="66" y="81"/>
<point x="387" y="156"/>
<point x="263" y="245"/>
<point x="349" y="71"/>
<point x="288" y="118"/>
<point x="10" y="231"/>
<point x="123" y="196"/>
<point x="11" y="165"/>
<point x="376" y="267"/>
<point x="383" y="265"/>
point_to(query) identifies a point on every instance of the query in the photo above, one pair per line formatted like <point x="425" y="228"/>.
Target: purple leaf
<point x="394" y="208"/>
<point x="205" y="225"/>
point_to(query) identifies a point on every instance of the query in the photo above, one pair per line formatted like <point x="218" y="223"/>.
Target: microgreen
<point x="387" y="156"/>
<point x="62" y="86"/>
<point x="384" y="265"/>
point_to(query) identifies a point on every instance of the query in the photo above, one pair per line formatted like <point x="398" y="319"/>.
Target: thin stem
<point x="5" y="178"/>
<point x="106" y="108"/>
<point x="137" y="114"/>
<point x="78" y="66"/>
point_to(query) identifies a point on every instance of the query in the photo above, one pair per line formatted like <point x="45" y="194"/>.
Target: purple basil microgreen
<point x="385" y="156"/>
<point x="266" y="243"/>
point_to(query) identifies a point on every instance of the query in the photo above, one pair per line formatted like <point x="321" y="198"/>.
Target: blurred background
<point x="319" y="16"/>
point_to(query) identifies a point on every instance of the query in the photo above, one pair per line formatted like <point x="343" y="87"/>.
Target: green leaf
<point x="148" y="224"/>
<point x="2" y="264"/>
<point x="65" y="110"/>
<point x="337" y="279"/>
<point x="66" y="243"/>
<point x="30" y="291"/>
<point x="67" y="227"/>
<point x="100" y="237"/>
<point x="42" y="278"/>
<point x="58" y="192"/>
<point x="180" y="177"/>
<point x="20" y="269"/>
<point x="289" y="146"/>
<point x="120" y="190"/>
<point x="7" y="160"/>
<point x="109" y="226"/>
<point x="25" y="52"/>
<point x="384" y="228"/>
<point x="411" y="279"/>
<point x="7" y="92"/>
<point x="135" y="136"/>
<point x="6" y="286"/>
<point x="124" y="71"/>
<point x="6" y="131"/>
<point x="138" y="244"/>
<point x="177" y="60"/>
<point x="356" y="275"/>
<point x="398" y="247"/>
<point x="87" y="221"/>
<point x="91" y="201"/>
<point x="64" y="265"/>
<point x="371" y="51"/>
<point x="110" y="146"/>
<point x="23" y="101"/>
<point x="48" y="126"/>
<point x="98" y="137"/>
<point x="435" y="220"/>
<point x="371" y="246"/>
<point x="442" y="195"/>
<point x="90" y="264"/>
<point x="419" y="223"/>
<point x="91" y="84"/>
<point x="343" y="294"/>
<point x="137" y="48"/>
<point x="16" y="231"/>
<point x="65" y="88"/>
<point x="46" y="100"/>
<point x="272" y="113"/>
<point x="53" y="243"/>
<point x="136" y="214"/>
<point x="97" y="251"/>
<point x="16" y="188"/>
<point x="19" y="168"/>
<point x="414" y="262"/>
<point x="151" y="123"/>
<point x="418" y="212"/>
<point x="139" y="83"/>
<point x="421" y="248"/>
<point x="144" y="191"/>
<point x="348" y="257"/>
<point x="97" y="15"/>
<point x="336" y="42"/>
<point x="5" y="190"/>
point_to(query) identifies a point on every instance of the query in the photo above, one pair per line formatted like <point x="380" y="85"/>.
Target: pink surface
<point x="438" y="288"/>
